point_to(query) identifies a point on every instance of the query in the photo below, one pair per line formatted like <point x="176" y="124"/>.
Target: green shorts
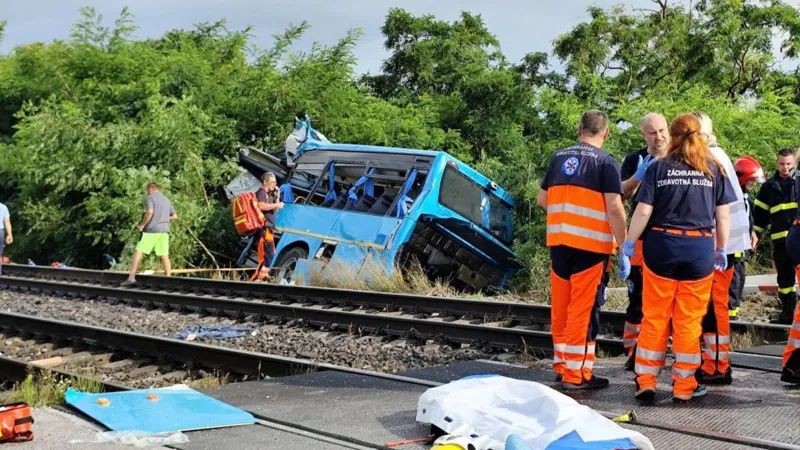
<point x="154" y="241"/>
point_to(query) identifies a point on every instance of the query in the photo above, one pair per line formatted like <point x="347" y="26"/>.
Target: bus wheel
<point x="288" y="262"/>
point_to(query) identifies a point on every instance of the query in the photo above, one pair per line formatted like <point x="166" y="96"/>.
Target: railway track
<point x="252" y="364"/>
<point x="497" y="324"/>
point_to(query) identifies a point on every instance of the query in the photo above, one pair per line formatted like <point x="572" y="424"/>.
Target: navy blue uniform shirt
<point x="586" y="166"/>
<point x="682" y="197"/>
<point x="628" y="169"/>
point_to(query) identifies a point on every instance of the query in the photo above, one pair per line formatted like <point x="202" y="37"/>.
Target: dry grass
<point x="214" y="380"/>
<point x="372" y="275"/>
<point x="758" y="307"/>
<point x="43" y="388"/>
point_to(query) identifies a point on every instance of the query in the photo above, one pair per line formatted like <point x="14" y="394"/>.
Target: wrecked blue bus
<point x="353" y="203"/>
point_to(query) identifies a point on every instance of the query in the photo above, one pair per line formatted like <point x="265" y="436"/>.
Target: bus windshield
<point x="477" y="204"/>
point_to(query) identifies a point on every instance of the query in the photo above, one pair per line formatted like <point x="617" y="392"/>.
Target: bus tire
<point x="288" y="261"/>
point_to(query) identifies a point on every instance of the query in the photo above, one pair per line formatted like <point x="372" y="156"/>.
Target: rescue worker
<point x="655" y="132"/>
<point x="682" y="198"/>
<point x="748" y="173"/>
<point x="716" y="348"/>
<point x="775" y="209"/>
<point x="6" y="235"/>
<point x="791" y="354"/>
<point x="268" y="202"/>
<point x="581" y="192"/>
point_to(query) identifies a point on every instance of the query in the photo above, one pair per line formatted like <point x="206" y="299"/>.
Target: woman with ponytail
<point x="682" y="210"/>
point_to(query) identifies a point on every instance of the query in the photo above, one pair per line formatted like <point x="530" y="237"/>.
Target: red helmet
<point x="747" y="168"/>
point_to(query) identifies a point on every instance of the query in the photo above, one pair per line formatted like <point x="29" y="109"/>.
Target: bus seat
<point x="364" y="203"/>
<point x="382" y="204"/>
<point x="340" y="202"/>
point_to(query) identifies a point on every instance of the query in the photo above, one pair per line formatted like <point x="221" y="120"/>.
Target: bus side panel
<point x="364" y="229"/>
<point x="356" y="257"/>
<point x="289" y="239"/>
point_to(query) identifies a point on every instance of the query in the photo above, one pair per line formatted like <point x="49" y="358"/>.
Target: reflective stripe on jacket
<point x="775" y="207"/>
<point x="576" y="217"/>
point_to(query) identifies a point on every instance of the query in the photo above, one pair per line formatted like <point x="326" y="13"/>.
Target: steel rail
<point x="211" y="357"/>
<point x="190" y="353"/>
<point x="365" y="320"/>
<point x="611" y="322"/>
<point x="460" y="332"/>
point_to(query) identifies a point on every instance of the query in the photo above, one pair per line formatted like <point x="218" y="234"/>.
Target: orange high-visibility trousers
<point x="572" y="303"/>
<point x="794" y="334"/>
<point x="266" y="250"/>
<point x="671" y="305"/>
<point x="717" y="325"/>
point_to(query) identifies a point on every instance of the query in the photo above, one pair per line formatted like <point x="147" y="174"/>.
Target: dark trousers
<point x="786" y="278"/>
<point x="2" y="245"/>
<point x="736" y="291"/>
<point x="678" y="257"/>
<point x="633" y="313"/>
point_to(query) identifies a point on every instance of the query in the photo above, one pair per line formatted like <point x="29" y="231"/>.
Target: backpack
<point x="16" y="423"/>
<point x="247" y="218"/>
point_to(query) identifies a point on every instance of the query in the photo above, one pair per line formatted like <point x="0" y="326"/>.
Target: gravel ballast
<point x="378" y="353"/>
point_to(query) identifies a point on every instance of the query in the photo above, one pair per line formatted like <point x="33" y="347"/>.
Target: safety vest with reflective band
<point x="576" y="217"/>
<point x="775" y="207"/>
<point x="739" y="234"/>
<point x="576" y="207"/>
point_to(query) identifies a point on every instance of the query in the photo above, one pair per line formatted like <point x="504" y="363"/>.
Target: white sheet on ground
<point x="492" y="407"/>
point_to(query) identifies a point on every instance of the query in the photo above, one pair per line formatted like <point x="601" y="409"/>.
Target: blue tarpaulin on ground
<point x="175" y="408"/>
<point x="200" y="331"/>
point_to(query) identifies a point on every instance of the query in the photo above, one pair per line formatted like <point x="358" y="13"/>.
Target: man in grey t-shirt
<point x="5" y="231"/>
<point x="155" y="231"/>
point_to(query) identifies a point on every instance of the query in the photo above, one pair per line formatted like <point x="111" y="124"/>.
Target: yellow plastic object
<point x="152" y="397"/>
<point x="628" y="417"/>
<point x="453" y="442"/>
<point x="102" y="401"/>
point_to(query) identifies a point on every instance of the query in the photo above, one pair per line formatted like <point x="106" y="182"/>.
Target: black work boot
<point x="788" y="303"/>
<point x="715" y="379"/>
<point x="592" y="383"/>
<point x="791" y="371"/>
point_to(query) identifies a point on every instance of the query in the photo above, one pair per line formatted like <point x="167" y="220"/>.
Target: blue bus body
<point x="355" y="203"/>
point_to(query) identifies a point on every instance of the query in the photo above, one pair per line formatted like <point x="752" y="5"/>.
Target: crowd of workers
<point x="683" y="252"/>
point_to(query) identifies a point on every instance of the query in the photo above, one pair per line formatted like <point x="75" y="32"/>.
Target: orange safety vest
<point x="577" y="218"/>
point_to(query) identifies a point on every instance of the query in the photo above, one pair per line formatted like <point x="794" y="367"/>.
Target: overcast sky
<point x="521" y="26"/>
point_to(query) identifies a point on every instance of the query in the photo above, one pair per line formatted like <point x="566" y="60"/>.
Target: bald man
<point x="655" y="132"/>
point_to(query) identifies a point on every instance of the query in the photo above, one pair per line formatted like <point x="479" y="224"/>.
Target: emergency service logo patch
<point x="570" y="165"/>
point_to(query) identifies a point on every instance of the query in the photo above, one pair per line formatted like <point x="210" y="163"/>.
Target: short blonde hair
<point x="706" y="127"/>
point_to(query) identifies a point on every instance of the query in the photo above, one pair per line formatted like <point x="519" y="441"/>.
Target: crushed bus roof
<point x="311" y="145"/>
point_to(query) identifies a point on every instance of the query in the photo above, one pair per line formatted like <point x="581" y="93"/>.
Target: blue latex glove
<point x="721" y="259"/>
<point x="628" y="248"/>
<point x="641" y="168"/>
<point x="623" y="266"/>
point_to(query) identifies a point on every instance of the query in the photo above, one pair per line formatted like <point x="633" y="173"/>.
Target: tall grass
<point x="373" y="275"/>
<point x="44" y="388"/>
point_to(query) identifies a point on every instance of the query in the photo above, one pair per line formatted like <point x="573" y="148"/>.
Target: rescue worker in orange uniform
<point x="268" y="203"/>
<point x="791" y="354"/>
<point x="683" y="198"/>
<point x="655" y="131"/>
<point x="581" y="192"/>
<point x="716" y="343"/>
